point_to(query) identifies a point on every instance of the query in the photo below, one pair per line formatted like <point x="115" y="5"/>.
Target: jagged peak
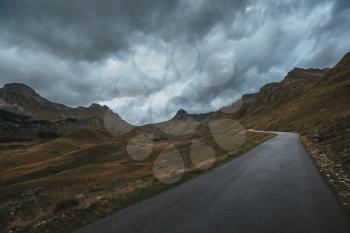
<point x="180" y="114"/>
<point x="181" y="111"/>
<point x="98" y="106"/>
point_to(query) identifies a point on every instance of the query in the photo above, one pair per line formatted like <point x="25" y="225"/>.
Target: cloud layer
<point x="147" y="59"/>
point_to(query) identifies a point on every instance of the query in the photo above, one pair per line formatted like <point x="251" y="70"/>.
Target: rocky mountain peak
<point x="99" y="107"/>
<point x="301" y="73"/>
<point x="18" y="87"/>
<point x="181" y="114"/>
<point x="13" y="92"/>
<point x="295" y="83"/>
<point x="25" y="115"/>
<point x="20" y="98"/>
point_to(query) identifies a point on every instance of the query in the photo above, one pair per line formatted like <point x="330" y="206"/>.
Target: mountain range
<point x="307" y="101"/>
<point x="80" y="154"/>
<point x="25" y="115"/>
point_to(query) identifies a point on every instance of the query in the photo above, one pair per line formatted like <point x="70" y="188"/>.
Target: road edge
<point x="330" y="172"/>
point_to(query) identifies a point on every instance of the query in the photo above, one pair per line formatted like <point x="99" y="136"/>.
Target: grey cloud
<point x="82" y="29"/>
<point x="79" y="52"/>
<point x="91" y="30"/>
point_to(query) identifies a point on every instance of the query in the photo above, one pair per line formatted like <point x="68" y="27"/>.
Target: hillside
<point x="67" y="182"/>
<point x="25" y="115"/>
<point x="308" y="101"/>
<point x="59" y="163"/>
<point x="273" y="96"/>
<point x="92" y="162"/>
<point x="314" y="103"/>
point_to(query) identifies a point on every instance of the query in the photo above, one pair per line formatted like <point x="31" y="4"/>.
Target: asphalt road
<point x="273" y="188"/>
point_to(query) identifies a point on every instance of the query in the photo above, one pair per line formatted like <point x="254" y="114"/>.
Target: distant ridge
<point x="307" y="101"/>
<point x="33" y="116"/>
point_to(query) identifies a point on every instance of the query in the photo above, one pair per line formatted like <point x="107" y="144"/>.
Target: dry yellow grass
<point x="92" y="165"/>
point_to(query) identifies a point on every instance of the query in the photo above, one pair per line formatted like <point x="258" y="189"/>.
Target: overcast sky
<point x="146" y="59"/>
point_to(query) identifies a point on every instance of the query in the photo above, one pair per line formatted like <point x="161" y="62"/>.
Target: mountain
<point x="273" y="95"/>
<point x="183" y="115"/>
<point x="308" y="101"/>
<point x="33" y="116"/>
<point x="21" y="99"/>
<point x="88" y="164"/>
<point x="303" y="95"/>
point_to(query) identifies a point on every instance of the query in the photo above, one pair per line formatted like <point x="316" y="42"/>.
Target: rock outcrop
<point x="273" y="95"/>
<point x="15" y="127"/>
<point x="183" y="115"/>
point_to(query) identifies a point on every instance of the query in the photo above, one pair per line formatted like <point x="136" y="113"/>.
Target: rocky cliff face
<point x="271" y="96"/>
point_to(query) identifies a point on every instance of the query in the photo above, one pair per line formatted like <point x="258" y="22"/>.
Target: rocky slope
<point x="183" y="115"/>
<point x="303" y="94"/>
<point x="25" y="115"/>
<point x="16" y="127"/>
<point x="273" y="95"/>
<point x="21" y="99"/>
<point x="313" y="102"/>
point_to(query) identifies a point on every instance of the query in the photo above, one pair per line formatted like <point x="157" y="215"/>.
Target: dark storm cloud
<point x="82" y="29"/>
<point x="92" y="30"/>
<point x="83" y="51"/>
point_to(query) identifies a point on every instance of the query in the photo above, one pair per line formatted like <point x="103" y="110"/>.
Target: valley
<point x="62" y="168"/>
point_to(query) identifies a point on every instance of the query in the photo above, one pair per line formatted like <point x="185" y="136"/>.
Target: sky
<point x="146" y="59"/>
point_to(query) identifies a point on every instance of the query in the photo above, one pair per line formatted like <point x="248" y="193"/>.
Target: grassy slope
<point x="92" y="167"/>
<point x="108" y="206"/>
<point x="322" y="109"/>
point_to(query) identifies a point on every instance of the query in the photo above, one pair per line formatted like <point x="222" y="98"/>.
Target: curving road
<point x="273" y="188"/>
